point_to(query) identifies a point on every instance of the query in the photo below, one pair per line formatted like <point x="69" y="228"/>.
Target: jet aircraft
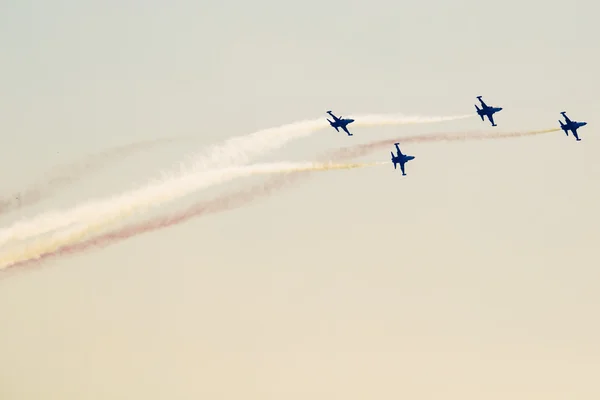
<point x="339" y="122"/>
<point x="486" y="110"/>
<point x="400" y="158"/>
<point x="570" y="125"/>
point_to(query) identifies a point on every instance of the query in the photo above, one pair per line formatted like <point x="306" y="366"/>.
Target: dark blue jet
<point x="340" y="123"/>
<point x="487" y="111"/>
<point x="400" y="158"/>
<point x="570" y="125"/>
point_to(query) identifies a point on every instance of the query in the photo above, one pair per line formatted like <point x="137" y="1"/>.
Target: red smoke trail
<point x="70" y="173"/>
<point x="240" y="198"/>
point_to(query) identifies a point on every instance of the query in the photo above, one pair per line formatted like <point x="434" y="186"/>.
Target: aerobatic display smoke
<point x="239" y="150"/>
<point x="79" y="232"/>
<point x="363" y="149"/>
<point x="235" y="151"/>
<point x="244" y="197"/>
<point x="71" y="173"/>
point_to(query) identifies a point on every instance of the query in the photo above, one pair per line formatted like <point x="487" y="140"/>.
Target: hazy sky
<point x="473" y="277"/>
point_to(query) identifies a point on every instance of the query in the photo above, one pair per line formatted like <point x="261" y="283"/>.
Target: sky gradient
<point x="474" y="276"/>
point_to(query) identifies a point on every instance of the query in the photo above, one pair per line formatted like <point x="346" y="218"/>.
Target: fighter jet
<point x="340" y="122"/>
<point x="570" y="125"/>
<point x="486" y="110"/>
<point x="400" y="158"/>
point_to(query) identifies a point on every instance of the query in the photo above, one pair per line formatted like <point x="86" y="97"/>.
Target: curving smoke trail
<point x="39" y="248"/>
<point x="239" y="150"/>
<point x="70" y="173"/>
<point x="241" y="198"/>
<point x="235" y="151"/>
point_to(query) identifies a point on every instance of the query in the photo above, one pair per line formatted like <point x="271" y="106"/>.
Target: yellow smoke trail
<point x="80" y="232"/>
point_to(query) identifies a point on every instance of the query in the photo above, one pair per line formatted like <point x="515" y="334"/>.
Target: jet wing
<point x="491" y="118"/>
<point x="402" y="168"/>
<point x="575" y="133"/>
<point x="346" y="130"/>
<point x="483" y="103"/>
<point x="398" y="150"/>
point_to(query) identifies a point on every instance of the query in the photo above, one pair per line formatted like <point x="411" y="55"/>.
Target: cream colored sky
<point x="473" y="277"/>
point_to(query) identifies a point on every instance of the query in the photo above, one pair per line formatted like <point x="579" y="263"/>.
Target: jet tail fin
<point x="332" y="124"/>
<point x="563" y="127"/>
<point x="479" y="112"/>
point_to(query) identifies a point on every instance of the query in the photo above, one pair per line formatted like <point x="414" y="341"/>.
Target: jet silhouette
<point x="570" y="125"/>
<point x="340" y="122"/>
<point x="487" y="111"/>
<point x="400" y="158"/>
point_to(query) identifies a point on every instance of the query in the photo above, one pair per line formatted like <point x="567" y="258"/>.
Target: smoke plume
<point x="73" y="235"/>
<point x="233" y="152"/>
<point x="69" y="174"/>
<point x="241" y="198"/>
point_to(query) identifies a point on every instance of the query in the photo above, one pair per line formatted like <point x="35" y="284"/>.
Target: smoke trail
<point x="240" y="198"/>
<point x="239" y="150"/>
<point x="235" y="151"/>
<point x="57" y="241"/>
<point x="71" y="173"/>
<point x="363" y="149"/>
<point x="218" y="204"/>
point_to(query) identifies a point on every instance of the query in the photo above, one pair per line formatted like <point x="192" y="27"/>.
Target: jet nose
<point x="583" y="123"/>
<point x="499" y="108"/>
<point x="351" y="120"/>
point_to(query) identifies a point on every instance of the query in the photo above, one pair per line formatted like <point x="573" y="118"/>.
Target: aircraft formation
<point x="485" y="111"/>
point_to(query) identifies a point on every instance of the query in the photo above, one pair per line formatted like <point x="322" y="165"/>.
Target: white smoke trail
<point x="240" y="149"/>
<point x="80" y="231"/>
<point x="235" y="151"/>
<point x="70" y="173"/>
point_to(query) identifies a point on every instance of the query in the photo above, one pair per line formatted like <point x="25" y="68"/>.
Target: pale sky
<point x="473" y="277"/>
